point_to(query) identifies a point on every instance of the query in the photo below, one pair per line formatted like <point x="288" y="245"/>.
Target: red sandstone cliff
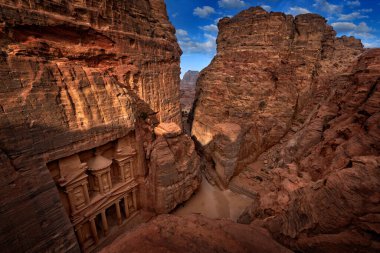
<point x="187" y="97"/>
<point x="188" y="90"/>
<point x="296" y="111"/>
<point x="270" y="72"/>
<point x="76" y="76"/>
<point x="330" y="199"/>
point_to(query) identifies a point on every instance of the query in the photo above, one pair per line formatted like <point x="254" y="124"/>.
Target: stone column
<point x="104" y="222"/>
<point x="131" y="167"/>
<point x="93" y="230"/>
<point x="126" y="209"/>
<point x="71" y="201"/>
<point x="78" y="229"/>
<point x="86" y="195"/>
<point x="134" y="198"/>
<point x="121" y="169"/>
<point x="118" y="213"/>
<point x="109" y="179"/>
<point x="99" y="177"/>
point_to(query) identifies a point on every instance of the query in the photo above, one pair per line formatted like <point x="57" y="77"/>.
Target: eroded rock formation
<point x="187" y="97"/>
<point x="331" y="201"/>
<point x="82" y="86"/>
<point x="195" y="233"/>
<point x="301" y="113"/>
<point x="188" y="89"/>
<point x="174" y="168"/>
<point x="270" y="71"/>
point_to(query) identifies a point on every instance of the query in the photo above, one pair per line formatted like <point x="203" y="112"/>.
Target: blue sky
<point x="196" y="21"/>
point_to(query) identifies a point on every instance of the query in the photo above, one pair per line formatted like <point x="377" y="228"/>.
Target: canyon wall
<point x="75" y="76"/>
<point x="174" y="168"/>
<point x="327" y="181"/>
<point x="187" y="88"/>
<point x="188" y="83"/>
<point x="295" y="120"/>
<point x="269" y="72"/>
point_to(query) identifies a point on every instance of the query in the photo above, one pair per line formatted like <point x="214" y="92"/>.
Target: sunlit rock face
<point x="174" y="168"/>
<point x="308" y="107"/>
<point x="76" y="77"/>
<point x="270" y="71"/>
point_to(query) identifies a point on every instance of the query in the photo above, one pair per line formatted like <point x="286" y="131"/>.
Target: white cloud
<point x="353" y="3"/>
<point x="203" y="12"/>
<point x="361" y="30"/>
<point x="266" y="7"/>
<point x="206" y="46"/>
<point x="210" y="28"/>
<point x="189" y="45"/>
<point x="231" y="4"/>
<point x="325" y="6"/>
<point x="181" y="32"/>
<point x="298" y="10"/>
<point x="351" y="16"/>
<point x="182" y="35"/>
<point x="372" y="44"/>
<point x="366" y="10"/>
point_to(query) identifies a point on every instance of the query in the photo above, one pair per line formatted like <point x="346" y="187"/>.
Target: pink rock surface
<point x="174" y="169"/>
<point x="270" y="71"/>
<point x="308" y="106"/>
<point x="187" y="88"/>
<point x="195" y="233"/>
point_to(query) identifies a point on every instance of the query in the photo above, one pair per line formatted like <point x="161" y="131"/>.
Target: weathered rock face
<point x="331" y="201"/>
<point x="187" y="97"/>
<point x="270" y="71"/>
<point x="174" y="168"/>
<point x="74" y="76"/>
<point x="315" y="141"/>
<point x="188" y="90"/>
<point x="190" y="78"/>
<point x="195" y="233"/>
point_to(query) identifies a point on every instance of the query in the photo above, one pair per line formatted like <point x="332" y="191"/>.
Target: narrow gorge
<point x="104" y="149"/>
<point x="288" y="114"/>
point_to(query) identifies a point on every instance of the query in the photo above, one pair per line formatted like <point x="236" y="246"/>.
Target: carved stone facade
<point x="98" y="189"/>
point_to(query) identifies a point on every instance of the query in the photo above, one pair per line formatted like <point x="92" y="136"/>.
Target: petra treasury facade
<point x="98" y="194"/>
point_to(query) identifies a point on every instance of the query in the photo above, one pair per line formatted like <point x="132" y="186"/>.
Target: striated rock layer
<point x="75" y="76"/>
<point x="174" y="168"/>
<point x="303" y="121"/>
<point x="188" y="83"/>
<point x="195" y="233"/>
<point x="270" y="70"/>
<point x="187" y="97"/>
<point x="331" y="200"/>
